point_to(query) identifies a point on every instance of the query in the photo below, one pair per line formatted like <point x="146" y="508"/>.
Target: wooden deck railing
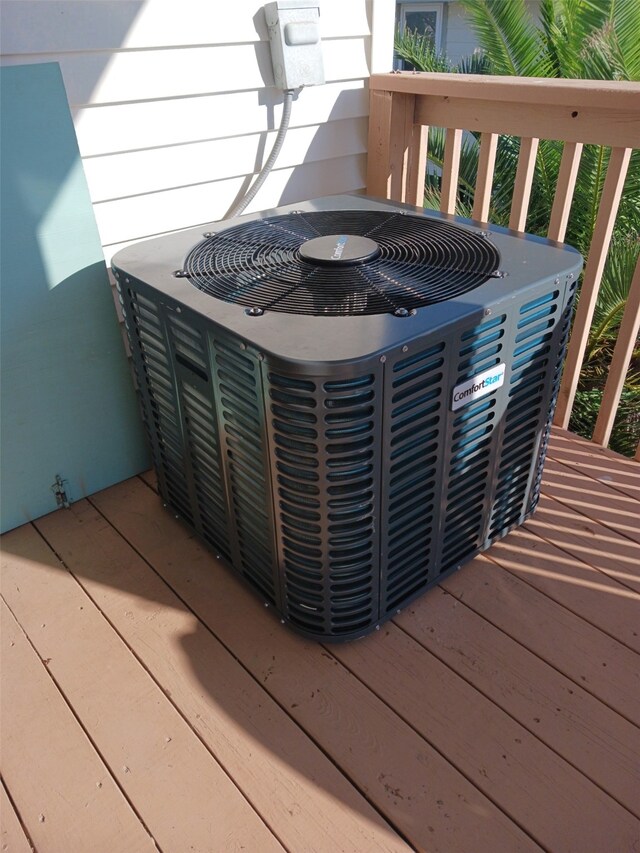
<point x="405" y="104"/>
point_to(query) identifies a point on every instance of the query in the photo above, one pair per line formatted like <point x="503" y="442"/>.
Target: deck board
<point x="498" y="712"/>
<point x="12" y="835"/>
<point x="61" y="786"/>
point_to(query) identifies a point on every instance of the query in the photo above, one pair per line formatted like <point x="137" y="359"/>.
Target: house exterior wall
<point x="175" y="110"/>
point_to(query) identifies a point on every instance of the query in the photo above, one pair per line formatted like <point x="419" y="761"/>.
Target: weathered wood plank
<point x="597" y="462"/>
<point x="514" y="90"/>
<point x="390" y="139"/>
<point x="626" y="342"/>
<point x="563" y="197"/>
<point x="484" y="181"/>
<point x="555" y="804"/>
<point x="151" y="751"/>
<point x="417" y="165"/>
<point x="60" y="784"/>
<point x="287" y="779"/>
<point x="570" y="581"/>
<point x="595" y="498"/>
<point x="591" y="659"/>
<point x="589" y="735"/>
<point x="12" y="835"/>
<point x="609" y="126"/>
<point x="440" y="809"/>
<point x="523" y="182"/>
<point x="593" y="543"/>
<point x="451" y="169"/>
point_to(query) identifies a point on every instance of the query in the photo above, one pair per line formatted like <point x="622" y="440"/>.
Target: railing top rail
<point x="606" y="94"/>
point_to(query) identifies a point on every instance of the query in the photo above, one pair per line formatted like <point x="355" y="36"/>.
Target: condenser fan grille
<point x="281" y="264"/>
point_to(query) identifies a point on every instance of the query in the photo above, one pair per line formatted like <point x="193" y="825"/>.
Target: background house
<point x="446" y="21"/>
<point x="174" y="111"/>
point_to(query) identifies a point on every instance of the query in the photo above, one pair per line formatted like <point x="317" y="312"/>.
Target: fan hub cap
<point x="339" y="250"/>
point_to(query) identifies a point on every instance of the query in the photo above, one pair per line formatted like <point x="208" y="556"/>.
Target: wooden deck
<point x="150" y="701"/>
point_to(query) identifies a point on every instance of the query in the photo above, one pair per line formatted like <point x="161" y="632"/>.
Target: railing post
<point x="391" y="132"/>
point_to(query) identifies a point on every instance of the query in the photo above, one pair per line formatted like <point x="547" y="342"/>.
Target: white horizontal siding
<point x="152" y="124"/>
<point x="41" y="26"/>
<point x="166" y="211"/>
<point x="107" y="78"/>
<point x="175" y="110"/>
<point x="135" y="173"/>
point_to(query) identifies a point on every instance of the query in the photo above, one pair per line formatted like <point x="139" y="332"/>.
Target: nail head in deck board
<point x="594" y="738"/>
<point x="288" y="780"/>
<point x="599" y="546"/>
<point x="554" y="803"/>
<point x="50" y="765"/>
<point x="439" y="809"/>
<point x="571" y="582"/>
<point x="124" y="712"/>
<point x="590" y="658"/>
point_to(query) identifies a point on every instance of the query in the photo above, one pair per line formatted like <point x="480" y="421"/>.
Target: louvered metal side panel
<point x="412" y="438"/>
<point x="326" y="466"/>
<point x="245" y="457"/>
<point x="155" y="373"/>
<point x="535" y="343"/>
<point x="470" y="445"/>
<point x="352" y="441"/>
<point x="563" y="338"/>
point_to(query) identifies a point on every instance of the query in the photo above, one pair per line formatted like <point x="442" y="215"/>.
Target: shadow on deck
<point x="150" y="701"/>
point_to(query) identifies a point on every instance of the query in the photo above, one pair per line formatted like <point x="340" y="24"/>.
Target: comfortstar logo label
<point x="339" y="248"/>
<point x="479" y="386"/>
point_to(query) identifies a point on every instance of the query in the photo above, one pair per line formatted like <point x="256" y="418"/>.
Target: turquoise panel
<point x="67" y="405"/>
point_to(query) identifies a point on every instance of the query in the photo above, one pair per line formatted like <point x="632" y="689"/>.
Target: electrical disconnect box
<point x="294" y="36"/>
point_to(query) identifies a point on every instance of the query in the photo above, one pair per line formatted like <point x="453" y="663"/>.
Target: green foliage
<point x="585" y="39"/>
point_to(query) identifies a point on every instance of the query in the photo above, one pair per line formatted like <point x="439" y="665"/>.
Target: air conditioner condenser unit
<point x="347" y="398"/>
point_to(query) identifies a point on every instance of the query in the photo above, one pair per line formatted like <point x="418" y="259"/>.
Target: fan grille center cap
<point x="339" y="249"/>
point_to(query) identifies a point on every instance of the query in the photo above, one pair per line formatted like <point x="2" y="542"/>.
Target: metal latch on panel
<point x="58" y="488"/>
<point x="294" y="36"/>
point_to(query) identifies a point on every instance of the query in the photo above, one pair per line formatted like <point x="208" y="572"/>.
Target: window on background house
<point x="424" y="18"/>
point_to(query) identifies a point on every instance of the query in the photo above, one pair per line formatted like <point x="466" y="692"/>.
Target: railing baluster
<point x="612" y="190"/>
<point x="484" y="181"/>
<point x="450" y="170"/>
<point x="564" y="190"/>
<point x="417" y="166"/>
<point x="524" y="179"/>
<point x="622" y="352"/>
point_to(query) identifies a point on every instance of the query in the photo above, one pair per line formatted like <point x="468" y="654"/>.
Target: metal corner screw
<point x="254" y="312"/>
<point x="405" y="348"/>
<point x="383" y="358"/>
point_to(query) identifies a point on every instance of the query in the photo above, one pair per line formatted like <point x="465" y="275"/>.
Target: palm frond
<point x="507" y="35"/>
<point x="419" y="52"/>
